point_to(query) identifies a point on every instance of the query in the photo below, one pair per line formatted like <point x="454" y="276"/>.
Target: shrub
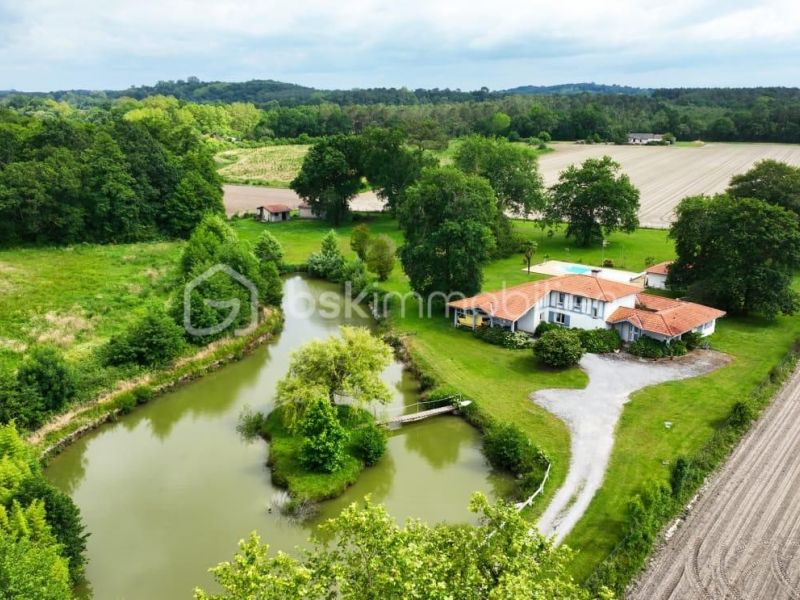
<point x="742" y="413"/>
<point x="25" y="408"/>
<point x="251" y="424"/>
<point x="692" y="339"/>
<point x="381" y="257"/>
<point x="323" y="448"/>
<point x="125" y="402"/>
<point x="608" y="263"/>
<point x="329" y="261"/>
<point x="559" y="348"/>
<point x="678" y="348"/>
<point x="46" y="375"/>
<point x="599" y="341"/>
<point x="359" y="240"/>
<point x="268" y="249"/>
<point x="514" y="340"/>
<point x="142" y="394"/>
<point x="153" y="340"/>
<point x="369" y="443"/>
<point x="647" y="347"/>
<point x="508" y="449"/>
<point x="543" y="327"/>
<point x="355" y="274"/>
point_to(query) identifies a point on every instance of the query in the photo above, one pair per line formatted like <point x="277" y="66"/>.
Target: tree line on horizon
<point x="290" y="112"/>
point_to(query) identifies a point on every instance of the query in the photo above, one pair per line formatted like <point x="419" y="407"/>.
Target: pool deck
<point x="557" y="267"/>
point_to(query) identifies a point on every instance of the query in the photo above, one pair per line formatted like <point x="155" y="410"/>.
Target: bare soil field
<point x="667" y="174"/>
<point x="742" y="537"/>
<point x="664" y="174"/>
<point x="242" y="199"/>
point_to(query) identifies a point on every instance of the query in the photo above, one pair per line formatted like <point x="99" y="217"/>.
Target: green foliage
<point x="355" y="278"/>
<point x="323" y="448"/>
<point x="737" y="254"/>
<point x="545" y="326"/>
<point x="369" y="443"/>
<point x="329" y="262"/>
<point x="348" y="365"/>
<point x="693" y="339"/>
<point x="514" y="340"/>
<point x="381" y="256"/>
<point x="45" y="376"/>
<point x="359" y="240"/>
<point x="268" y="249"/>
<point x="330" y="177"/>
<point x="508" y="449"/>
<point x="599" y="341"/>
<point x="771" y="181"/>
<point x="558" y="348"/>
<point x="251" y="424"/>
<point x="152" y="341"/>
<point x="446" y="219"/>
<point x="594" y="201"/>
<point x="528" y="249"/>
<point x="647" y="347"/>
<point x="369" y="556"/>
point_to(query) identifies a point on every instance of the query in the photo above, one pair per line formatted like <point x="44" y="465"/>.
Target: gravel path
<point x="742" y="537"/>
<point x="591" y="414"/>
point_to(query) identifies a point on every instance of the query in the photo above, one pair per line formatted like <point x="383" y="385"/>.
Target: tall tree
<point x="447" y="218"/>
<point x="771" y="181"/>
<point x="594" y="200"/>
<point x="368" y="555"/>
<point x="330" y="177"/>
<point x="738" y="254"/>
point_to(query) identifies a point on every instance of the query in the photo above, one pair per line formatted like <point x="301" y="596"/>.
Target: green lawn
<point x="78" y="296"/>
<point x="501" y="380"/>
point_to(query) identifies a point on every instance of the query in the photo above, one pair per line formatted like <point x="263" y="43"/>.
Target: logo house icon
<point x="234" y="304"/>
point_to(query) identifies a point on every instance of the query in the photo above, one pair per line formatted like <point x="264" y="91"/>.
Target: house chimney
<point x="595" y="272"/>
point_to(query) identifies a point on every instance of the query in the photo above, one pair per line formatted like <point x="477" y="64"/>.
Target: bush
<point x="514" y="340"/>
<point x="142" y="394"/>
<point x="600" y="341"/>
<point x="369" y="444"/>
<point x="608" y="263"/>
<point x="508" y="449"/>
<point x="692" y="339"/>
<point x="26" y="409"/>
<point x="125" y="402"/>
<point x="45" y="375"/>
<point x="543" y="327"/>
<point x="381" y="257"/>
<point x="559" y="348"/>
<point x="323" y="448"/>
<point x="154" y="340"/>
<point x="268" y="249"/>
<point x="355" y="274"/>
<point x="328" y="263"/>
<point x="678" y="348"/>
<point x="647" y="347"/>
<point x="251" y="424"/>
<point x="359" y="240"/>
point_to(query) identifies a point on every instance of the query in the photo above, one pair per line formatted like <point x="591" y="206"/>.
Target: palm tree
<point x="529" y="248"/>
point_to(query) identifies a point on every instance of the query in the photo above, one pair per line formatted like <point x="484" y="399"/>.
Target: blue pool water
<point x="577" y="269"/>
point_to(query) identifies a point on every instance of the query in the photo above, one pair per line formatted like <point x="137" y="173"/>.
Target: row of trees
<point x="265" y="110"/>
<point x="126" y="178"/>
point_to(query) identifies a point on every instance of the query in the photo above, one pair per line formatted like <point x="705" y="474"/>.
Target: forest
<point x="590" y="112"/>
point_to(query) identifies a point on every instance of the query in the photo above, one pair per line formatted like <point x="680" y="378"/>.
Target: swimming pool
<point x="576" y="269"/>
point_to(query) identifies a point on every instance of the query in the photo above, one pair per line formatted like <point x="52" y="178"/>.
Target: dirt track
<point x="742" y="537"/>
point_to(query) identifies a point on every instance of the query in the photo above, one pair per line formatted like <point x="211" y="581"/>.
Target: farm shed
<point x="272" y="213"/>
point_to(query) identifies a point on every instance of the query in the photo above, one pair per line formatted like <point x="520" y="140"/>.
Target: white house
<point x="272" y="213"/>
<point x="656" y="276"/>
<point x="585" y="302"/>
<point x="304" y="212"/>
<point x="645" y="138"/>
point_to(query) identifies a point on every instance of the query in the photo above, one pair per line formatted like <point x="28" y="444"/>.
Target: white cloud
<point x="99" y="43"/>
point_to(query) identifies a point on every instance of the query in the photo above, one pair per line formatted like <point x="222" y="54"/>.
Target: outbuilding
<point x="656" y="275"/>
<point x="272" y="213"/>
<point x="304" y="211"/>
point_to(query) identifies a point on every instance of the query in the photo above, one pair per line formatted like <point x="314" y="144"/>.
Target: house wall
<point x="656" y="281"/>
<point x="579" y="314"/>
<point x="707" y="328"/>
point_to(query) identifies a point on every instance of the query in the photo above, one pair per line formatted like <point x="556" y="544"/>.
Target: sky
<point x="111" y="44"/>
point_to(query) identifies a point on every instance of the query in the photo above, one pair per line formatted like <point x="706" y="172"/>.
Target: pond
<point x="167" y="491"/>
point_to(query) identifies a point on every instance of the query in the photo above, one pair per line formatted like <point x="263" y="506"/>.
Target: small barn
<point x="272" y="213"/>
<point x="645" y="138"/>
<point x="304" y="212"/>
<point x="656" y="276"/>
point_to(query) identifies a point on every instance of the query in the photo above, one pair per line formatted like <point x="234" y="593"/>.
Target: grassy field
<point x="501" y="380"/>
<point x="76" y="297"/>
<point x="274" y="166"/>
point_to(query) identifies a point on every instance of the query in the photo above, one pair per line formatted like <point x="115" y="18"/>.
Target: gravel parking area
<point x="591" y="414"/>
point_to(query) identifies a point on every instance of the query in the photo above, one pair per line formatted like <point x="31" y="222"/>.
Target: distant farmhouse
<point x="586" y="302"/>
<point x="645" y="138"/>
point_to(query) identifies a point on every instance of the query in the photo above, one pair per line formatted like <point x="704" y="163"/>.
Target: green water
<point x="168" y="490"/>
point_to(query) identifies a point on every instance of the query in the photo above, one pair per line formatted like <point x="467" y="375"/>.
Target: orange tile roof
<point x="665" y="316"/>
<point x="276" y="208"/>
<point x="659" y="269"/>
<point x="512" y="303"/>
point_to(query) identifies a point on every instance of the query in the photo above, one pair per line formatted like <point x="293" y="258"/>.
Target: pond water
<point x="167" y="491"/>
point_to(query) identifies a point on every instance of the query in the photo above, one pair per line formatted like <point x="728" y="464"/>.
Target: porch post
<point x="474" y="317"/>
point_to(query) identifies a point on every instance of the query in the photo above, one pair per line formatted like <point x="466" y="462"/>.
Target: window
<point x="561" y="318"/>
<point x="577" y="303"/>
<point x="595" y="308"/>
<point x="561" y="297"/>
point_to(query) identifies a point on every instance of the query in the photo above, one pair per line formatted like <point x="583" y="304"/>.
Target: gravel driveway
<point x="591" y="414"/>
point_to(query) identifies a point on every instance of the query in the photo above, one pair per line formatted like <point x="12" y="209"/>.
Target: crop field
<point x="667" y="174"/>
<point x="664" y="174"/>
<point x="275" y="166"/>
